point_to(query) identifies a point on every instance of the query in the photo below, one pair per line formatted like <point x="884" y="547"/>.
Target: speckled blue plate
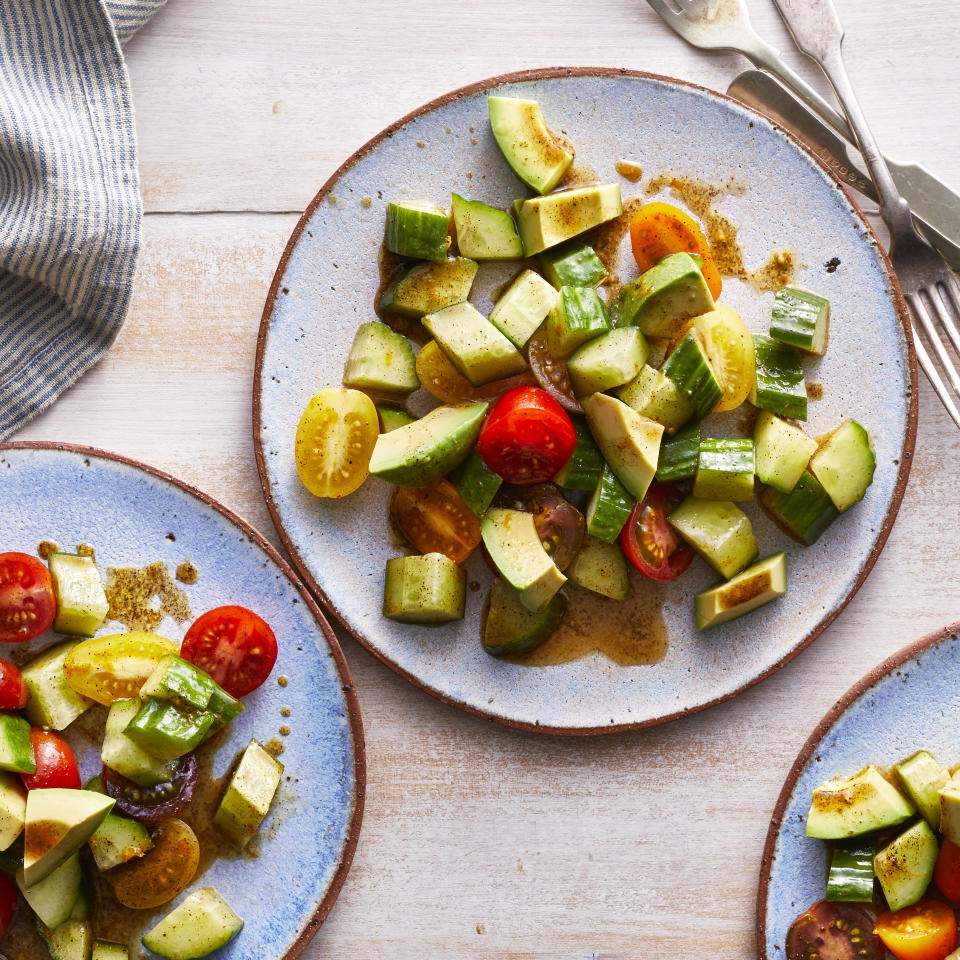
<point x="132" y="516"/>
<point x="325" y="286"/>
<point x="909" y="702"/>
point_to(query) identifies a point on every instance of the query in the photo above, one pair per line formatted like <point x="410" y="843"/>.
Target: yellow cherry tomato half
<point x="442" y="379"/>
<point x="659" y="229"/>
<point x="158" y="877"/>
<point x="335" y="438"/>
<point x="115" y="667"/>
<point x="729" y="348"/>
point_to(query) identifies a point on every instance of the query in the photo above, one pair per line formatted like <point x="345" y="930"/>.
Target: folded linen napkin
<point x="70" y="205"/>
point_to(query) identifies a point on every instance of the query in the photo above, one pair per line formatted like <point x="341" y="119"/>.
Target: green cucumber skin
<point x="16" y="750"/>
<point x="476" y="223"/>
<point x="421" y="234"/>
<point x="780" y="386"/>
<point x="476" y="483"/>
<point x="580" y="316"/>
<point x="679" y="454"/>
<point x="851" y="871"/>
<point x="572" y="264"/>
<point x="509" y="628"/>
<point x="609" y="507"/>
<point x="724" y="470"/>
<point x="583" y="469"/>
<point x="424" y="589"/>
<point x="800" y="319"/>
<point x="804" y="513"/>
<point x="690" y="370"/>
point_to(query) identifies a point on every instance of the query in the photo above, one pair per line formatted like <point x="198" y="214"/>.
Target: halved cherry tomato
<point x="946" y="874"/>
<point x="649" y="542"/>
<point x="13" y="688"/>
<point x="27" y="601"/>
<point x="159" y="802"/>
<point x="551" y="372"/>
<point x="335" y="438"/>
<point x="659" y="229"/>
<point x="115" y="667"/>
<point x="925" y="931"/>
<point x="441" y="378"/>
<point x="435" y="519"/>
<point x="527" y="437"/>
<point x="560" y="525"/>
<point x="8" y="902"/>
<point x="833" y="931"/>
<point x="235" y="646"/>
<point x="729" y="348"/>
<point x="56" y="764"/>
<point x="152" y="880"/>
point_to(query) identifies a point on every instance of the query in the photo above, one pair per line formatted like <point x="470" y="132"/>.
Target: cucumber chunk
<point x="428" y="287"/>
<point x="391" y="418"/>
<point x="724" y="470"/>
<point x="109" y="950"/>
<point x="16" y="750"/>
<point x="418" y="229"/>
<point x="511" y="628"/>
<point x="579" y="315"/>
<point x="523" y="307"/>
<point x="249" y="794"/>
<point x="476" y="483"/>
<point x="719" y="531"/>
<point x="483" y="232"/>
<point x="801" y="319"/>
<point x="780" y="387"/>
<point x="923" y="778"/>
<point x="803" y="513"/>
<point x="167" y="732"/>
<point x="851" y="871"/>
<point x="54" y="897"/>
<point x="608" y="361"/>
<point x="679" y="454"/>
<point x="782" y="451"/>
<point x="81" y="602"/>
<point x="120" y="753"/>
<point x="72" y="940"/>
<point x="202" y="923"/>
<point x="545" y="222"/>
<point x="13" y="808"/>
<point x="757" y="585"/>
<point x="609" y="507"/>
<point x="473" y="344"/>
<point x="844" y="464"/>
<point x="381" y="361"/>
<point x="655" y="396"/>
<point x="599" y="566"/>
<point x="574" y="264"/>
<point x="690" y="370"/>
<point x="905" y="866"/>
<point x="424" y="589"/>
<point x="583" y="469"/>
<point x="53" y="702"/>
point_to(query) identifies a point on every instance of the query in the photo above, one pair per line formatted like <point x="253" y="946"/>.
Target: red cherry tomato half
<point x="13" y="688"/>
<point x="8" y="902"/>
<point x="56" y="764"/>
<point x="527" y="436"/>
<point x="649" y="542"/>
<point x="946" y="874"/>
<point x="27" y="603"/>
<point x="235" y="646"/>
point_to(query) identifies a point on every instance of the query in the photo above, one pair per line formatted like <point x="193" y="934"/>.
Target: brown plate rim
<point x="346" y="680"/>
<point x="880" y="671"/>
<point x="542" y="73"/>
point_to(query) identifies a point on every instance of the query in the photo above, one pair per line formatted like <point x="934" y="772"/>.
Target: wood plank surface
<point x="480" y="842"/>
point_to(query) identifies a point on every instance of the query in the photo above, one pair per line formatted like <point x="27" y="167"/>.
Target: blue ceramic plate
<point x="783" y="198"/>
<point x="134" y="516"/>
<point x="907" y="703"/>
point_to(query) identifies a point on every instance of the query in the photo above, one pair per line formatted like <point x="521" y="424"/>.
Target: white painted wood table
<point x="479" y="842"/>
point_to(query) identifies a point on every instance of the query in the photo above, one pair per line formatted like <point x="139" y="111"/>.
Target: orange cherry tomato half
<point x="946" y="874"/>
<point x="439" y="377"/>
<point x="925" y="931"/>
<point x="659" y="229"/>
<point x="435" y="519"/>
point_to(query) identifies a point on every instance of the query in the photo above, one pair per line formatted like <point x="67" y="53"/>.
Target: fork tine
<point x="940" y="312"/>
<point x="920" y="311"/>
<point x="673" y="17"/>
<point x="939" y="387"/>
<point x="950" y="284"/>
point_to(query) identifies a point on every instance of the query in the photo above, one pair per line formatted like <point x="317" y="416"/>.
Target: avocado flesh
<point x="58" y="823"/>
<point x="516" y="550"/>
<point x="546" y="221"/>
<point x="537" y="157"/>
<point x="849" y="806"/>
<point x="656" y="397"/>
<point x="13" y="808"/>
<point x="249" y="794"/>
<point x="922" y="778"/>
<point x="666" y="295"/>
<point x="429" y="448"/>
<point x="629" y="443"/>
<point x="719" y="531"/>
<point x="757" y="585"/>
<point x="905" y="866"/>
<point x="202" y="923"/>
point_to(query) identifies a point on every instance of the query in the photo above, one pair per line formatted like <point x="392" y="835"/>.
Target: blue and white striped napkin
<point x="70" y="205"/>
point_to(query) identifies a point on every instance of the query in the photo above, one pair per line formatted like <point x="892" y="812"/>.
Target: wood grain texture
<point x="480" y="842"/>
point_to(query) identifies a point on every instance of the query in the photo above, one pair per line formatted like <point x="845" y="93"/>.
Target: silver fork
<point x="928" y="285"/>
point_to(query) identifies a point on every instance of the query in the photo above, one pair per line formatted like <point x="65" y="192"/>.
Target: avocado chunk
<point x="16" y="751"/>
<point x="424" y="589"/>
<point x="418" y="229"/>
<point x="844" y="464"/>
<point x="13" y="808"/>
<point x="510" y="628"/>
<point x="757" y="585"/>
<point x="849" y="806"/>
<point x="202" y="923"/>
<point x="523" y="307"/>
<point x="949" y="795"/>
<point x="120" y="753"/>
<point x="81" y="602"/>
<point x="427" y="287"/>
<point x="516" y="550"/>
<point x="599" y="566"/>
<point x="546" y="221"/>
<point x="905" y="866"/>
<point x="609" y="361"/>
<point x="249" y="794"/>
<point x="473" y="344"/>
<point x="629" y="443"/>
<point x="922" y="778"/>
<point x="719" y="531"/>
<point x="666" y="295"/>
<point x="381" y="361"/>
<point x="58" y="822"/>
<point x="53" y="898"/>
<point x="537" y="157"/>
<point x="656" y="397"/>
<point x="429" y="448"/>
<point x="483" y="232"/>
<point x="53" y="702"/>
